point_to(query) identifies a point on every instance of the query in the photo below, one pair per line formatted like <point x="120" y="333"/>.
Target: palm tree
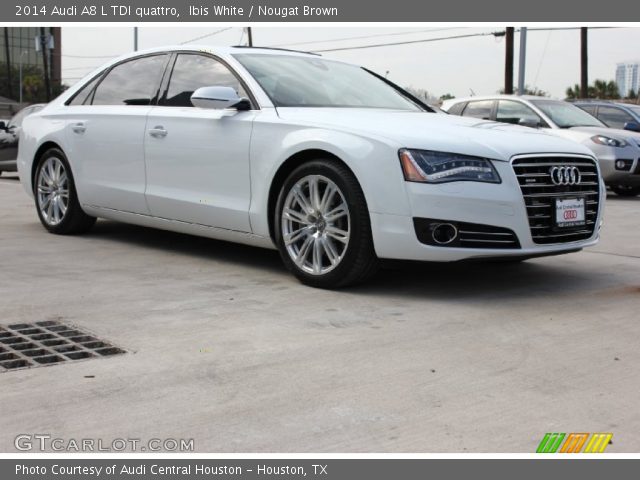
<point x="573" y="92"/>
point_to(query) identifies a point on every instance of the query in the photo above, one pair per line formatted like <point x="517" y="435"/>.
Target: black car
<point x="9" y="135"/>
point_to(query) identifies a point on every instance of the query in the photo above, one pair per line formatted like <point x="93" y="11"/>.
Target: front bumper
<point x="607" y="157"/>
<point x="499" y="205"/>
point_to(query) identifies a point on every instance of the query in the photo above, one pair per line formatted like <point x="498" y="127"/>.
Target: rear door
<point x="197" y="159"/>
<point x="105" y="129"/>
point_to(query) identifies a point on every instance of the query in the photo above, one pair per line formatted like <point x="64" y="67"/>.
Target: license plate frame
<point x="570" y="212"/>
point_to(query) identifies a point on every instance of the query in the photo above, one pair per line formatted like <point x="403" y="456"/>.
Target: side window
<point x="131" y="83"/>
<point x="515" y="112"/>
<point x="479" y="109"/>
<point x="457" y="108"/>
<point x="590" y="109"/>
<point x="192" y="71"/>
<point x="614" y="117"/>
<point x="83" y="96"/>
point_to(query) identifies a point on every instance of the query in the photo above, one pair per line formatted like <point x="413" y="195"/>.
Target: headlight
<point x="438" y="167"/>
<point x="608" y="141"/>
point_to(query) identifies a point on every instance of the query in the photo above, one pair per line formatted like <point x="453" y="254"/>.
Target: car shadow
<point x="9" y="177"/>
<point x="612" y="197"/>
<point x="188" y="245"/>
<point x="407" y="279"/>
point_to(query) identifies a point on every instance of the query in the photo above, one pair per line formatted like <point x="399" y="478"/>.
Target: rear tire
<point x="322" y="226"/>
<point x="55" y="196"/>
<point x="625" y="190"/>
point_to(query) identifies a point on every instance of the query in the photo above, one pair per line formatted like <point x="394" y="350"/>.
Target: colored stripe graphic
<point x="550" y="443"/>
<point x="574" y="443"/>
<point x="598" y="443"/>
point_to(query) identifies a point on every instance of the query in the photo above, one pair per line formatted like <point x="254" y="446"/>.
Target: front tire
<point x="55" y="195"/>
<point x="625" y="190"/>
<point x="322" y="227"/>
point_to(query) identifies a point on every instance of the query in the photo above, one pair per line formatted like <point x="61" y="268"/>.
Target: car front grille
<point x="540" y="194"/>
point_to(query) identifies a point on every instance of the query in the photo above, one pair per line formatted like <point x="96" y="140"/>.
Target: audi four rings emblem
<point x="565" y="175"/>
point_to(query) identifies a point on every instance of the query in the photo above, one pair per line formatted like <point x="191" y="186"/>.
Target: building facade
<point x="39" y="66"/>
<point x="628" y="78"/>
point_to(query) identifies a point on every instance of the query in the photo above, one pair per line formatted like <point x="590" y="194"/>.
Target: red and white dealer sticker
<point x="570" y="212"/>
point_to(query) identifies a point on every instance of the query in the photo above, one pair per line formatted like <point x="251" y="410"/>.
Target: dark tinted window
<point x="131" y="83"/>
<point x="192" y="71"/>
<point x="480" y="109"/>
<point x="457" y="108"/>
<point x="82" y="97"/>
<point x="614" y="117"/>
<point x="516" y="112"/>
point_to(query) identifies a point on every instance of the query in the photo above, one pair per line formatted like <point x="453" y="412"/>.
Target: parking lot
<point x="227" y="348"/>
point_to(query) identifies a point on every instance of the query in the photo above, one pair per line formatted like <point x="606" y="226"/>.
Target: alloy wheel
<point x="53" y="191"/>
<point x="315" y="224"/>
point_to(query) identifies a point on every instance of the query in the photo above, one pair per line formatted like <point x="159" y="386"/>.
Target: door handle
<point x="79" y="128"/>
<point x="158" y="132"/>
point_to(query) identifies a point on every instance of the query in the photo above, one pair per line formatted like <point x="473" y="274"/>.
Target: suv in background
<point x="9" y="135"/>
<point x="617" y="151"/>
<point x="614" y="115"/>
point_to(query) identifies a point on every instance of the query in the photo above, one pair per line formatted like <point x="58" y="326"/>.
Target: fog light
<point x="444" y="233"/>
<point x="620" y="164"/>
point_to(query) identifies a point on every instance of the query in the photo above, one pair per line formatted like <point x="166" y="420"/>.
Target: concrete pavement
<point x="229" y="349"/>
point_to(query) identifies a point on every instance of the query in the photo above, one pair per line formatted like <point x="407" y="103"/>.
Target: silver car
<point x="617" y="151"/>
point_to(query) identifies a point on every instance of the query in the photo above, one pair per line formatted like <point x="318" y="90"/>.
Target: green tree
<point x="446" y="96"/>
<point x="600" y="89"/>
<point x="535" y="91"/>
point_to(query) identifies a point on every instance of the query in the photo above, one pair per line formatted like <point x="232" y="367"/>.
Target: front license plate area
<point x="570" y="212"/>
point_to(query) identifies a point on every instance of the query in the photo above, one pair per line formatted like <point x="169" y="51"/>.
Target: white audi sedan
<point x="331" y="164"/>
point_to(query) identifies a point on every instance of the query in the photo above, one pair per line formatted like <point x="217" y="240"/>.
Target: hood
<point x="580" y="134"/>
<point x="430" y="131"/>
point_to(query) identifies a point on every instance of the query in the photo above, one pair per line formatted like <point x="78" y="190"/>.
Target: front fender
<point x="375" y="164"/>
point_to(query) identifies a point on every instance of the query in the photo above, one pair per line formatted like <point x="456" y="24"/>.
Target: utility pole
<point x="584" y="63"/>
<point x="250" y="36"/>
<point x="135" y="39"/>
<point x="8" y="55"/>
<point x="508" y="61"/>
<point x="523" y="59"/>
<point x="20" y="76"/>
<point x="45" y="62"/>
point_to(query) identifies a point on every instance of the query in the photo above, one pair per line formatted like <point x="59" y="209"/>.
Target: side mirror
<point x="529" y="122"/>
<point x="633" y="126"/>
<point x="219" y="98"/>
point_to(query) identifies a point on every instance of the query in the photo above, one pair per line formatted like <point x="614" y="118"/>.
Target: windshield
<point x="292" y="81"/>
<point x="566" y="115"/>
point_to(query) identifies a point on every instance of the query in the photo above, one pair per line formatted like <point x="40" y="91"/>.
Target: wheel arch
<point x="49" y="144"/>
<point x="288" y="166"/>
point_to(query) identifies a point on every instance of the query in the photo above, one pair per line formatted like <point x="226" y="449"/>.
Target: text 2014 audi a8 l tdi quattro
<point x="330" y="163"/>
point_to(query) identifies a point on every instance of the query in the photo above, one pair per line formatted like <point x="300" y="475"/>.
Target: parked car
<point x="614" y="115"/>
<point x="617" y="151"/>
<point x="9" y="135"/>
<point x="331" y="164"/>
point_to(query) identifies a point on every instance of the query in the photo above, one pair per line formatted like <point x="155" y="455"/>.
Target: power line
<point x="497" y="34"/>
<point x="343" y="39"/>
<point x="424" y="40"/>
<point x="206" y="35"/>
<point x="90" y="56"/>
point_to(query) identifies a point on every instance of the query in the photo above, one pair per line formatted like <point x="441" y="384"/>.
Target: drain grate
<point x="25" y="345"/>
